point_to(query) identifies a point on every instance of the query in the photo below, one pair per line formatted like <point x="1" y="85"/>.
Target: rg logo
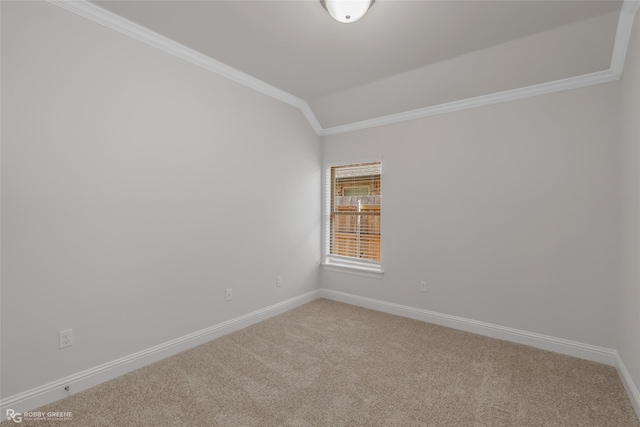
<point x="13" y="415"/>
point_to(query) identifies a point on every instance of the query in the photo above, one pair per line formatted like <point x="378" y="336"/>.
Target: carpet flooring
<point x="333" y="364"/>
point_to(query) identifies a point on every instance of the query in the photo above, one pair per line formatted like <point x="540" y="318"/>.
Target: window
<point x="352" y="221"/>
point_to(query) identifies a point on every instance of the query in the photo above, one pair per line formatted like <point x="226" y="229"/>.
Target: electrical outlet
<point x="228" y="296"/>
<point x="279" y="281"/>
<point x="66" y="338"/>
<point x="423" y="286"/>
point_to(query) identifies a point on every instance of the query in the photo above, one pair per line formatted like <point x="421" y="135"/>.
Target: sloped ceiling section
<point x="403" y="60"/>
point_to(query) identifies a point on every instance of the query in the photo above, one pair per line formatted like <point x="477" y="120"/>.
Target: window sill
<point x="358" y="270"/>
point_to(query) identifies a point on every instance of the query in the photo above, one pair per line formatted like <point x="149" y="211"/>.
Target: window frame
<point x="342" y="264"/>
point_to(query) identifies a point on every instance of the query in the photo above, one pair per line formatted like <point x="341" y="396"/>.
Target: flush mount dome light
<point x="347" y="11"/>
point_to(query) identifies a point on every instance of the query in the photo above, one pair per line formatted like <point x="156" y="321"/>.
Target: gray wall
<point x="136" y="187"/>
<point x="509" y="212"/>
<point x="628" y="308"/>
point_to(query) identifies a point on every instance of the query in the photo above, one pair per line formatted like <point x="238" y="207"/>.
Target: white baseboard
<point x="53" y="391"/>
<point x="545" y="342"/>
<point x="629" y="386"/>
<point x="571" y="348"/>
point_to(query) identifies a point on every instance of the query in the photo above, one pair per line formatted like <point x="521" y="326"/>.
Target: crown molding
<point x="115" y="22"/>
<point x="623" y="32"/>
<point x="479" y="101"/>
<point x="138" y="32"/>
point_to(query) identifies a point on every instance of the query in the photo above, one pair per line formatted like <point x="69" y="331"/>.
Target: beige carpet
<point x="332" y="364"/>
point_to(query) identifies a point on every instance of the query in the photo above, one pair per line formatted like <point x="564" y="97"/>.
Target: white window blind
<point x="354" y="207"/>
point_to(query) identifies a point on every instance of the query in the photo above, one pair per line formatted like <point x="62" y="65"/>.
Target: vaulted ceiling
<point x="403" y="56"/>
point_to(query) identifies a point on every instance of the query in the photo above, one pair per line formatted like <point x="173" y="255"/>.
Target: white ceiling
<point x="403" y="55"/>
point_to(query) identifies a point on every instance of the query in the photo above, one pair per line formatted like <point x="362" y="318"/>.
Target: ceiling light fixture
<point x="347" y="11"/>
